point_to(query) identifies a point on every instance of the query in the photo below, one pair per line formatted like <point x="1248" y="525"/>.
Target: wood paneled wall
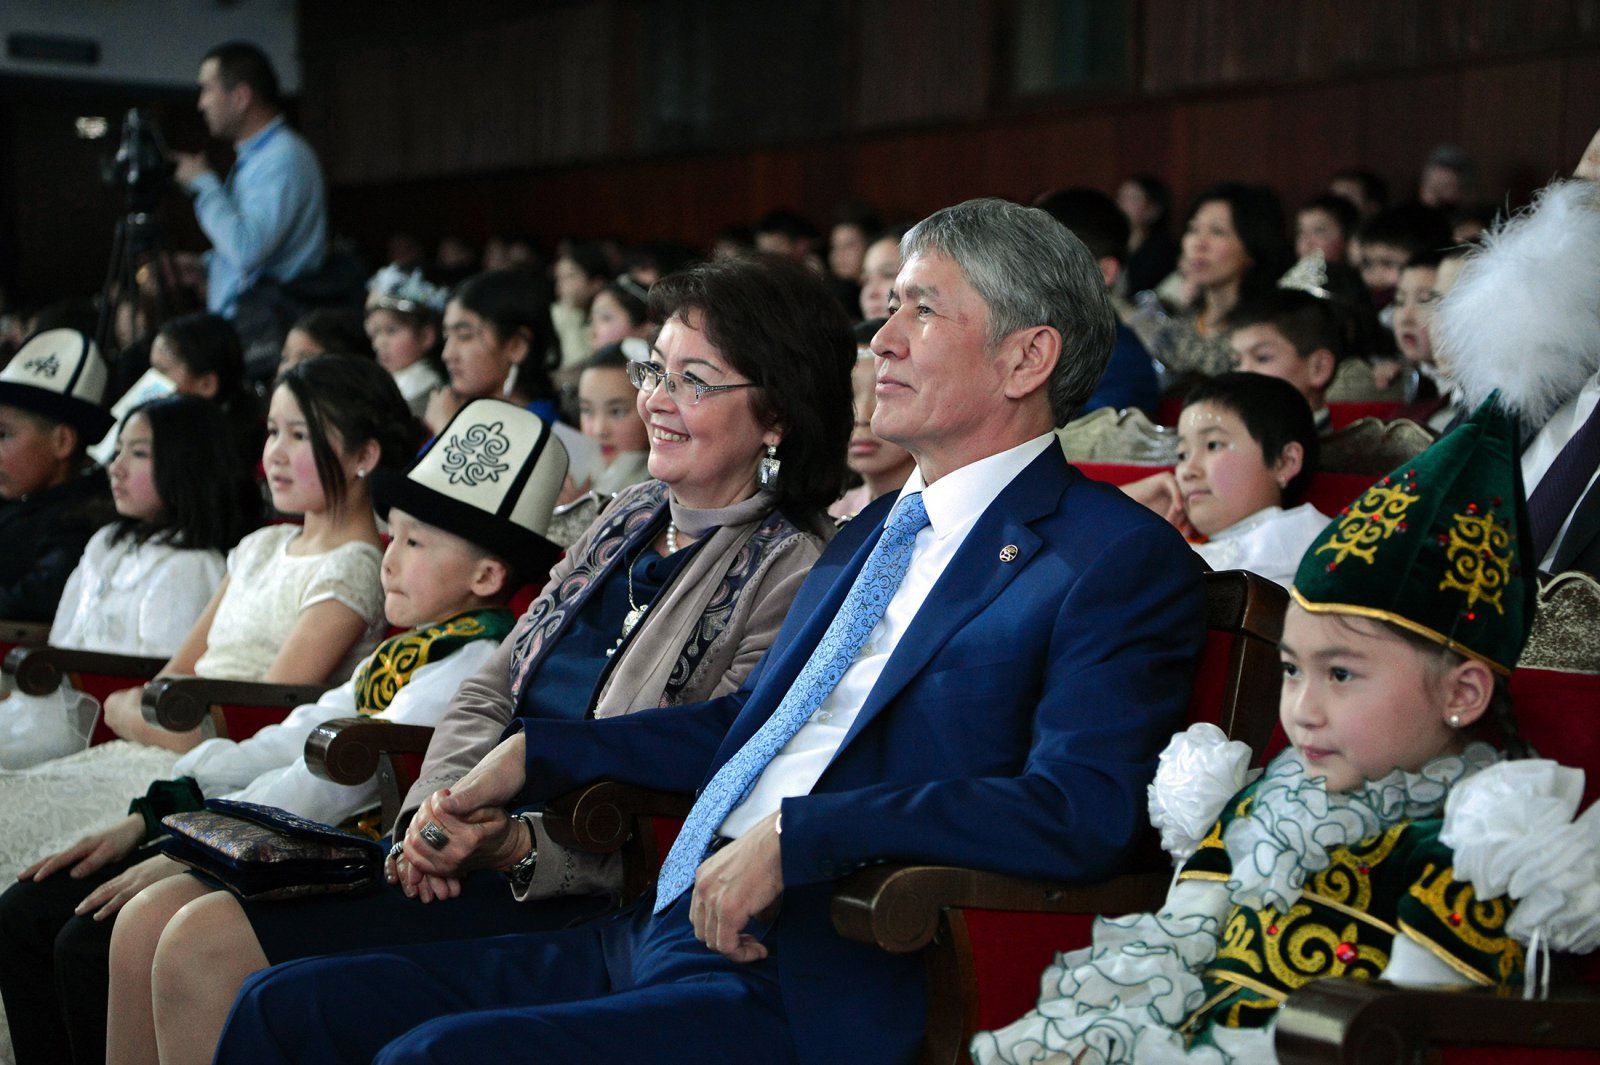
<point x="1524" y="119"/>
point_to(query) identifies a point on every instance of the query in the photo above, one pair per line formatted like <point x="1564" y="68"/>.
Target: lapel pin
<point x="1008" y="553"/>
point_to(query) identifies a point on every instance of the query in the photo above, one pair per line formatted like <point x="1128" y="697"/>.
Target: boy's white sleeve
<point x="293" y="787"/>
<point x="221" y="765"/>
<point x="1413" y="965"/>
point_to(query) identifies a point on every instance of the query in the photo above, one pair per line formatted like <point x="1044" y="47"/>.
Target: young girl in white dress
<point x="144" y="579"/>
<point x="1247" y="448"/>
<point x="300" y="603"/>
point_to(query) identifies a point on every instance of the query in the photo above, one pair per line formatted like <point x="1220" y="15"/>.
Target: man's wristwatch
<point x="520" y="873"/>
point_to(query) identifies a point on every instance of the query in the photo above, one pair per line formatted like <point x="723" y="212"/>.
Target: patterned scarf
<point x="388" y="668"/>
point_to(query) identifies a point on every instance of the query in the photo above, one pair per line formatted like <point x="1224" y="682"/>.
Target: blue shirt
<point x="1130" y="377"/>
<point x="269" y="219"/>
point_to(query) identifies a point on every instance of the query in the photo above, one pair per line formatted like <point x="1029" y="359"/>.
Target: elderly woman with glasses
<point x="671" y="596"/>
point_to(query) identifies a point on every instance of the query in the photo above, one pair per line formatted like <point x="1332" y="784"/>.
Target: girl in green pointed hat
<point x="1382" y="842"/>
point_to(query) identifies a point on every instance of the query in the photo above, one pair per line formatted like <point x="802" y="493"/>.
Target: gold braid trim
<point x="1205" y="1007"/>
<point x="1249" y="984"/>
<point x="1402" y="621"/>
<point x="1350" y="911"/>
<point x="1202" y="874"/>
<point x="1445" y="956"/>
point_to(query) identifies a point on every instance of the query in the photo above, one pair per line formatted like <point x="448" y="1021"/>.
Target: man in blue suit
<point x="979" y="671"/>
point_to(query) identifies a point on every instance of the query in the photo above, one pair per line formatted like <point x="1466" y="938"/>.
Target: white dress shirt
<point x="1269" y="542"/>
<point x="954" y="504"/>
<point x="1541" y="454"/>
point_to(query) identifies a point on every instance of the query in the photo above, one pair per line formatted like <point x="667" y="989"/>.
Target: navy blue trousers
<point x="628" y="987"/>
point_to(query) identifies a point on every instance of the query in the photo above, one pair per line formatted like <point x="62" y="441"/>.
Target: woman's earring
<point x="1455" y="720"/>
<point x="768" y="474"/>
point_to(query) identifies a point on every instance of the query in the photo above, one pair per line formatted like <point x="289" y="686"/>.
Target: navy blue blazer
<point x="1015" y="728"/>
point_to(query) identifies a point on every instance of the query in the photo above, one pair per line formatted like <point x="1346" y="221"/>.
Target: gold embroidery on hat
<point x="1479" y="553"/>
<point x="1373" y="518"/>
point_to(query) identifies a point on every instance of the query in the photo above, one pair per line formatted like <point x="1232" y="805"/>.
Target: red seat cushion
<point x="1342" y="414"/>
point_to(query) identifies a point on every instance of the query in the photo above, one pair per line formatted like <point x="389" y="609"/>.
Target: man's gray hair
<point x="1030" y="271"/>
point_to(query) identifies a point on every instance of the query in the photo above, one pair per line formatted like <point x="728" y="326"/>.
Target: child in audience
<point x="202" y="356"/>
<point x="325" y="331"/>
<point x="300" y="604"/>
<point x="618" y="311"/>
<point x="1344" y="858"/>
<point x="879" y="267"/>
<point x="53" y="500"/>
<point x="882" y="466"/>
<point x="608" y="413"/>
<point x="1293" y="336"/>
<point x="498" y="343"/>
<point x="1246" y="450"/>
<point x="403" y="324"/>
<point x="451" y="565"/>
<point x="144" y="579"/>
<point x="581" y="270"/>
<point x="1388" y="241"/>
<point x="1325" y="224"/>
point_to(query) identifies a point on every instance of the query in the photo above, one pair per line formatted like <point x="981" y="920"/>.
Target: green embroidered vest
<point x="388" y="668"/>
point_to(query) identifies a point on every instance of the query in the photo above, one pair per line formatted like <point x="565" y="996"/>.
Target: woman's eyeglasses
<point x="647" y="377"/>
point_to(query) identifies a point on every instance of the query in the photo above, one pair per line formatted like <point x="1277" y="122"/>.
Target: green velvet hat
<point x="1437" y="547"/>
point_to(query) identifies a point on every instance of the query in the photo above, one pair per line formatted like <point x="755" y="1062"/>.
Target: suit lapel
<point x="972" y="580"/>
<point x="1583" y="530"/>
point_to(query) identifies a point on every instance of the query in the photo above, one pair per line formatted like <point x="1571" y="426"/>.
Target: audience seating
<point x="21" y="634"/>
<point x="1340" y="414"/>
<point x="1556" y="693"/>
<point x="1372" y="446"/>
<point x="40" y="669"/>
<point x="1328" y="491"/>
<point x="1126" y="436"/>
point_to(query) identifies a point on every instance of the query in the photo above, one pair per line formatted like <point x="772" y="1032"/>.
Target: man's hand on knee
<point x="739" y="882"/>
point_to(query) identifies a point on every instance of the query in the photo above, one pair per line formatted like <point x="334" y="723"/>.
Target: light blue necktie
<point x="860" y="612"/>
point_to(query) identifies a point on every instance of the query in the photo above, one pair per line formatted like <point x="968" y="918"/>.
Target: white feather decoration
<point x="1524" y="314"/>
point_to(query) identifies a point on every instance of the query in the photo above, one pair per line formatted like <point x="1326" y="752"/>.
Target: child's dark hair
<point x="207" y="344"/>
<point x="512" y="302"/>
<point x="1410" y="227"/>
<point x="610" y="357"/>
<point x="1274" y="413"/>
<point x="1373" y="187"/>
<point x="337" y="331"/>
<point x="1499" y="717"/>
<point x="632" y="297"/>
<point x="359" y="401"/>
<point x="196" y="476"/>
<point x="1093" y="217"/>
<point x="1305" y="321"/>
<point x="1341" y="210"/>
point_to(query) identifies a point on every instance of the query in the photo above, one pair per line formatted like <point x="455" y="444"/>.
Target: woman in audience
<point x="498" y="344"/>
<point x="299" y="604"/>
<point x="1247" y="447"/>
<point x="1152" y="253"/>
<point x="672" y="596"/>
<point x="1235" y="243"/>
<point x="403" y="324"/>
<point x="879" y="267"/>
<point x="326" y="331"/>
<point x="882" y="466"/>
<point x="581" y="270"/>
<point x="143" y="580"/>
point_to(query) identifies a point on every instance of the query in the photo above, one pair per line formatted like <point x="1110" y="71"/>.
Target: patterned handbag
<point x="261" y="853"/>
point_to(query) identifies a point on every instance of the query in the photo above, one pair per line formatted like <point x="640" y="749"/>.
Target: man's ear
<point x="1034" y="353"/>
<point x="1291" y="460"/>
<point x="1110" y="270"/>
<point x="1323" y="366"/>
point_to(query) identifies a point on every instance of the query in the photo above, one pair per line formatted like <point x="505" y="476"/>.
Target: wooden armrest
<point x="40" y="670"/>
<point x="179" y="704"/>
<point x="346" y="750"/>
<point x="897" y="907"/>
<point x="599" y="818"/>
<point x="29" y="632"/>
<point x="1339" y="1020"/>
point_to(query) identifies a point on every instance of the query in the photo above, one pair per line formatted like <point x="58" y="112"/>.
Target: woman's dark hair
<point x="1155" y="190"/>
<point x="512" y="302"/>
<point x="590" y="257"/>
<point x="632" y="297"/>
<point x="1259" y="221"/>
<point x="778" y="324"/>
<point x="207" y="344"/>
<point x="359" y="401"/>
<point x="1274" y="413"/>
<point x="337" y="331"/>
<point x="196" y="476"/>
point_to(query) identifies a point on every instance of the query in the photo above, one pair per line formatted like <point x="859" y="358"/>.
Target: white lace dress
<point x="125" y="597"/>
<point x="44" y="808"/>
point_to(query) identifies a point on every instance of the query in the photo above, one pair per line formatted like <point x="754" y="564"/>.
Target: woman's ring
<point x="397" y="851"/>
<point x="435" y="836"/>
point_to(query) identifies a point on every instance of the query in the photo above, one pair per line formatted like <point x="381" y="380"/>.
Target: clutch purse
<point x="261" y="853"/>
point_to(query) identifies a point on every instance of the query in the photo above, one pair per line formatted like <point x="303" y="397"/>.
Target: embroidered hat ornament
<point x="59" y="373"/>
<point x="1437" y="547"/>
<point x="491" y="477"/>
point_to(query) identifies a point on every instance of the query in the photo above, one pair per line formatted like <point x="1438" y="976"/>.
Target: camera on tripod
<point x="141" y="166"/>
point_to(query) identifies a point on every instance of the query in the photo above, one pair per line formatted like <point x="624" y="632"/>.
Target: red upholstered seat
<point x="1328" y="492"/>
<point x="1342" y="414"/>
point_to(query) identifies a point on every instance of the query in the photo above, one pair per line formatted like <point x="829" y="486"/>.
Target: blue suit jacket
<point x="1014" y="728"/>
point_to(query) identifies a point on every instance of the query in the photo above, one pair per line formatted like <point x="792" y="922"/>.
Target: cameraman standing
<point x="268" y="220"/>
